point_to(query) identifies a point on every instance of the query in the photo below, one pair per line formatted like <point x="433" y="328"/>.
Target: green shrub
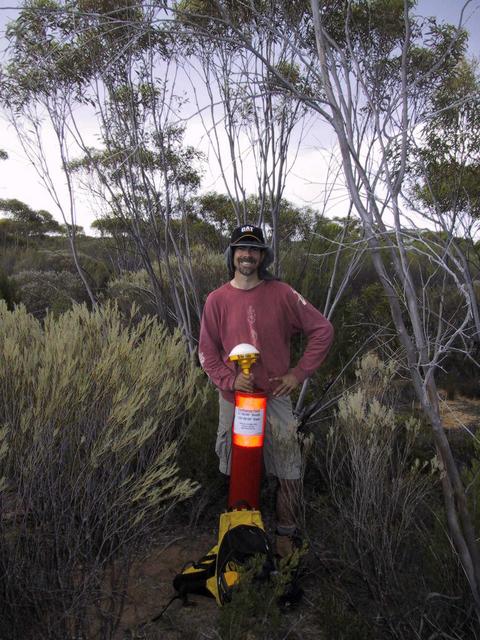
<point x="198" y="460"/>
<point x="132" y="288"/>
<point x="447" y="610"/>
<point x="471" y="476"/>
<point x="7" y="289"/>
<point x="54" y="291"/>
<point x="58" y="257"/>
<point x="377" y="491"/>
<point x="253" y="612"/>
<point x="337" y="619"/>
<point x="89" y="411"/>
<point x="206" y="272"/>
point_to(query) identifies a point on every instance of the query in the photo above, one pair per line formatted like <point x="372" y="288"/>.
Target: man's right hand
<point x="243" y="383"/>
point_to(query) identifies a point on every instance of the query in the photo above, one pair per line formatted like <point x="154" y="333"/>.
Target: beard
<point x="247" y="266"/>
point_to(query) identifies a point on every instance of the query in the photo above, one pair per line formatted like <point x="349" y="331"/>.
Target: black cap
<point x="248" y="236"/>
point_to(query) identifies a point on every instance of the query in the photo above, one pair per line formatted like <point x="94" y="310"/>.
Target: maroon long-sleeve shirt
<point x="266" y="316"/>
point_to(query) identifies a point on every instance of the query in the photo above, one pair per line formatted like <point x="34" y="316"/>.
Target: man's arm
<point x="319" y="332"/>
<point x="210" y="351"/>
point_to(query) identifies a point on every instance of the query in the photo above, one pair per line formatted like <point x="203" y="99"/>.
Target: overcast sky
<point x="306" y="183"/>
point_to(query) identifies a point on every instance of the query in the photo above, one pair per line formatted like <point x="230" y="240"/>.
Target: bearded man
<point x="256" y="308"/>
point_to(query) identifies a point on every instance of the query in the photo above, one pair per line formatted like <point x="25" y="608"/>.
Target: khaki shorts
<point x="281" y="451"/>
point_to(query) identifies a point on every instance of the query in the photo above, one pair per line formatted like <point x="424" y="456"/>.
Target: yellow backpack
<point x="241" y="537"/>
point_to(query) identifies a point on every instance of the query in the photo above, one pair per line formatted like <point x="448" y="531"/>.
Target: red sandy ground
<point x="151" y="588"/>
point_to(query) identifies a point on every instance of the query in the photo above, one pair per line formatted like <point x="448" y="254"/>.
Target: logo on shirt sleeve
<point x="299" y="296"/>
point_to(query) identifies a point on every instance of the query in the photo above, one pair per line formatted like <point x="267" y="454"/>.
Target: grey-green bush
<point x="377" y="492"/>
<point x="43" y="291"/>
<point x="209" y="271"/>
<point x="90" y="409"/>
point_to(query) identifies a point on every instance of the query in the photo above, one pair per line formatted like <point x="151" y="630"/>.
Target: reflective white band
<point x="248" y="422"/>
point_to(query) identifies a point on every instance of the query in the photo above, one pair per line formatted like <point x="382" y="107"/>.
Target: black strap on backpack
<point x="194" y="575"/>
<point x="239" y="545"/>
<point x="192" y="579"/>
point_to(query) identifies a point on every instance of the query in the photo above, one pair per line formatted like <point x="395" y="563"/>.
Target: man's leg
<point x="283" y="459"/>
<point x="287" y="536"/>
<point x="223" y="445"/>
<point x="287" y="505"/>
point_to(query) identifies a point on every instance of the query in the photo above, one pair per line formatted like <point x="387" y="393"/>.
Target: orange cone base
<point x="248" y="431"/>
<point x="245" y="478"/>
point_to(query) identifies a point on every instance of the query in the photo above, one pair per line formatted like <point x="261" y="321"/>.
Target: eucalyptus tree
<point x="79" y="61"/>
<point x="373" y="68"/>
<point x="446" y="171"/>
<point x="28" y="222"/>
<point x="377" y="91"/>
<point x="253" y="128"/>
<point x="42" y="77"/>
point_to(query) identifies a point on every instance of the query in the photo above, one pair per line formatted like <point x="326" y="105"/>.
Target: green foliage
<point x="164" y="155"/>
<point x="54" y="291"/>
<point x="379" y="521"/>
<point x="38" y="34"/>
<point x="46" y="262"/>
<point x="197" y="458"/>
<point x="254" y="610"/>
<point x="375" y="25"/>
<point x="71" y="229"/>
<point x="209" y="271"/>
<point x="208" y="14"/>
<point x="59" y="259"/>
<point x="198" y="232"/>
<point x="28" y="223"/>
<point x="197" y="453"/>
<point x="55" y="50"/>
<point x="288" y="71"/>
<point x="472" y="482"/>
<point x="111" y="225"/>
<point x="337" y="619"/>
<point x="132" y="288"/>
<point x="7" y="289"/>
<point x="90" y="409"/>
<point x="376" y="492"/>
<point x="447" y="168"/>
<point x="308" y="263"/>
<point x="218" y="210"/>
<point x="447" y="609"/>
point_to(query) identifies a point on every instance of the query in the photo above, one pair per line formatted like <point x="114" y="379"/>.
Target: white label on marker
<point x="248" y="422"/>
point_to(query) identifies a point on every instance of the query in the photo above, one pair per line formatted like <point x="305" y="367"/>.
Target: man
<point x="255" y="308"/>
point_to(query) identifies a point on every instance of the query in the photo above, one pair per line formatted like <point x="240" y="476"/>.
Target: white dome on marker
<point x="243" y="349"/>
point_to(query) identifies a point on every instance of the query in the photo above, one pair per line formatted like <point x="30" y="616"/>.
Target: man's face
<point x="246" y="260"/>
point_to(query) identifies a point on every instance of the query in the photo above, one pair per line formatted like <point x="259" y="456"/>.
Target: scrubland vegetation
<point x="107" y="423"/>
<point x="92" y="415"/>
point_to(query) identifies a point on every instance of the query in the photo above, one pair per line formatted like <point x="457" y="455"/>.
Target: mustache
<point x="250" y="260"/>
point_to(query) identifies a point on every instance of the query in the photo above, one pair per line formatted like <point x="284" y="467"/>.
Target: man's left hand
<point x="287" y="384"/>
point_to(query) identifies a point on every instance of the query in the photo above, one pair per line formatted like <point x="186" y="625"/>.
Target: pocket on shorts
<point x="223" y="444"/>
<point x="283" y="456"/>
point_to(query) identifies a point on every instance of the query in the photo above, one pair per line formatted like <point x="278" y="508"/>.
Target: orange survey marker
<point x="248" y="431"/>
